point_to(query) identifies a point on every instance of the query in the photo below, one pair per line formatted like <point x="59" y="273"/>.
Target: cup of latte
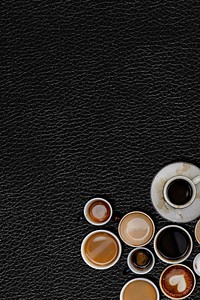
<point x="177" y="282"/>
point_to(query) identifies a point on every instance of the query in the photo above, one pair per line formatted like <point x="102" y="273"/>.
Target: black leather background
<point x="96" y="97"/>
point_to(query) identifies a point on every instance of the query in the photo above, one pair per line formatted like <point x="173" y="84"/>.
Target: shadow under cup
<point x="173" y="244"/>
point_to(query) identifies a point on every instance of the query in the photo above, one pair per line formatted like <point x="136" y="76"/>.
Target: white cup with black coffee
<point x="180" y="191"/>
<point x="173" y="244"/>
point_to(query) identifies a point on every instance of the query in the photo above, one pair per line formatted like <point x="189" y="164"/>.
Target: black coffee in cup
<point x="179" y="192"/>
<point x="141" y="259"/>
<point x="173" y="243"/>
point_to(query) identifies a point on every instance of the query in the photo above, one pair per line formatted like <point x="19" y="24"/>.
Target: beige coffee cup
<point x="141" y="288"/>
<point x="101" y="249"/>
<point x="136" y="229"/>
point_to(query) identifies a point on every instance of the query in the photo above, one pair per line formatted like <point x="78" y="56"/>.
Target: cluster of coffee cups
<point x="101" y="249"/>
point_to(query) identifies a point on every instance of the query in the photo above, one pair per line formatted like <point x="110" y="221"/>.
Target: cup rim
<point x="140" y="272"/>
<point x="88" y="203"/>
<point x="171" y="266"/>
<point x="194" y="264"/>
<point x="195" y="231"/>
<point x="166" y="198"/>
<point x="178" y="261"/>
<point x="89" y="263"/>
<point x="134" y="212"/>
<point x="141" y="279"/>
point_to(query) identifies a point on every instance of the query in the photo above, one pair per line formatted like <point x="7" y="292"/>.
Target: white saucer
<point x="183" y="215"/>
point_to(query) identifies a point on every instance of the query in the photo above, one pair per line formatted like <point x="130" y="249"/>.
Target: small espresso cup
<point x="180" y="191"/>
<point x="98" y="211"/>
<point x="141" y="260"/>
<point x="141" y="288"/>
<point x="173" y="244"/>
<point x="101" y="249"/>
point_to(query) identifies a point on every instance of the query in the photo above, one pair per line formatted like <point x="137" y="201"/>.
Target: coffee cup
<point x="197" y="231"/>
<point x="180" y="191"/>
<point x="98" y="211"/>
<point x="173" y="244"/>
<point x="177" y="282"/>
<point x="141" y="288"/>
<point x="140" y="260"/>
<point x="101" y="249"/>
<point x="136" y="229"/>
<point x="196" y="264"/>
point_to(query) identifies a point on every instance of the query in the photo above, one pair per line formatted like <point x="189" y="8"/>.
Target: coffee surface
<point x="136" y="229"/>
<point x="173" y="243"/>
<point x="177" y="281"/>
<point x="141" y="259"/>
<point x="179" y="192"/>
<point x="99" y="211"/>
<point x="101" y="248"/>
<point x="139" y="290"/>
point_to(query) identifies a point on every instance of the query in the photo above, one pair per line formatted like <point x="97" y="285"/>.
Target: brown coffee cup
<point x="101" y="249"/>
<point x="136" y="229"/>
<point x="177" y="282"/>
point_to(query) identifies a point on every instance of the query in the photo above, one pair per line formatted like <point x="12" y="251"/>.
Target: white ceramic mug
<point x="146" y="269"/>
<point x="192" y="182"/>
<point x="89" y="262"/>
<point x="86" y="211"/>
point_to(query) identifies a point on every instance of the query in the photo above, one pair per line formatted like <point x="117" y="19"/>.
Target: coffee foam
<point x="136" y="229"/>
<point x="177" y="281"/>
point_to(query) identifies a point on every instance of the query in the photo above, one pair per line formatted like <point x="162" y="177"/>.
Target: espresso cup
<point x="98" y="211"/>
<point x="141" y="288"/>
<point x="136" y="229"/>
<point x="101" y="249"/>
<point x="173" y="244"/>
<point x="180" y="191"/>
<point x="177" y="282"/>
<point x="141" y="260"/>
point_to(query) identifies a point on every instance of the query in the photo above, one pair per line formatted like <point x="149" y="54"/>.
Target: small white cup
<point x="193" y="182"/>
<point x="140" y="279"/>
<point x="140" y="271"/>
<point x="93" y="265"/>
<point x="86" y="211"/>
<point x="196" y="264"/>
<point x="172" y="261"/>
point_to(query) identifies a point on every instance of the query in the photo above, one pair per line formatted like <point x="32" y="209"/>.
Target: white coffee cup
<point x="92" y="264"/>
<point x="88" y="217"/>
<point x="168" y="260"/>
<point x="138" y="270"/>
<point x="192" y="182"/>
<point x="196" y="264"/>
<point x="140" y="279"/>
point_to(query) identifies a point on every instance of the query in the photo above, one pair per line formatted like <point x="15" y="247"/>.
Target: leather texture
<point x="96" y="98"/>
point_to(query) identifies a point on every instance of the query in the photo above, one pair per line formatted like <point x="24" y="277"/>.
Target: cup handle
<point x="196" y="179"/>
